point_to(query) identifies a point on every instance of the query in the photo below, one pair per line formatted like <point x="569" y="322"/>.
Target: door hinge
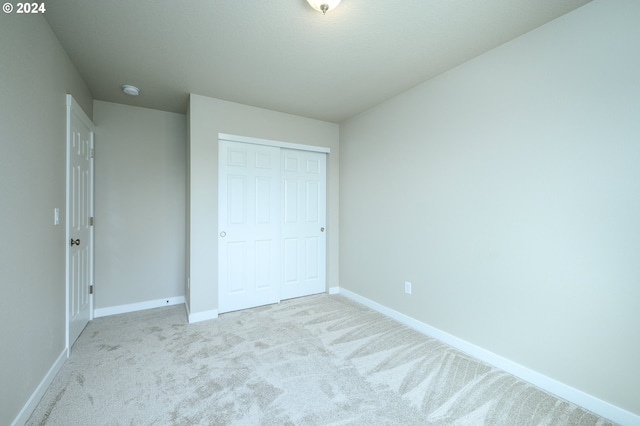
<point x="90" y="289"/>
<point x="92" y="153"/>
<point x="90" y="221"/>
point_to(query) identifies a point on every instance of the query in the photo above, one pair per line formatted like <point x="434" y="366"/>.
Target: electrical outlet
<point x="407" y="287"/>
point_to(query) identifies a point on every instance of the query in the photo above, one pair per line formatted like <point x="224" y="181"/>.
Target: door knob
<point x="75" y="242"/>
<point x="322" y="229"/>
<point x="223" y="234"/>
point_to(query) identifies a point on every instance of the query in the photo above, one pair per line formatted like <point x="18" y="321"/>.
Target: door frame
<point x="278" y="144"/>
<point x="73" y="108"/>
<point x="264" y="142"/>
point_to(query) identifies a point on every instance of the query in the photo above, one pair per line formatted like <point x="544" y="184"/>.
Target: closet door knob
<point x="75" y="242"/>
<point x="223" y="234"/>
<point x="322" y="229"/>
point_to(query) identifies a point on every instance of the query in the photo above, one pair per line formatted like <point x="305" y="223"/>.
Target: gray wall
<point x="35" y="75"/>
<point x="140" y="174"/>
<point x="207" y="118"/>
<point x="508" y="191"/>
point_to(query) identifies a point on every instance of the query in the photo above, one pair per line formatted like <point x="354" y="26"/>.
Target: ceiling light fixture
<point x="130" y="90"/>
<point x="324" y="5"/>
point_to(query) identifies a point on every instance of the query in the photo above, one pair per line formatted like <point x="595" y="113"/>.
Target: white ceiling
<point x="282" y="54"/>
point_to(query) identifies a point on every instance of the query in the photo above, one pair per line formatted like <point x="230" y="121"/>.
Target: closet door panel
<point x="249" y="238"/>
<point x="303" y="222"/>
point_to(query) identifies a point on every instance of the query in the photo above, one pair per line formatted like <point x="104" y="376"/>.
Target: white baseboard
<point x="200" y="316"/>
<point x="334" y="290"/>
<point x="140" y="306"/>
<point x="37" y="395"/>
<point x="550" y="385"/>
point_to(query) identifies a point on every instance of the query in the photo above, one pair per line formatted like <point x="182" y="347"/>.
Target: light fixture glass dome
<point x="324" y="5"/>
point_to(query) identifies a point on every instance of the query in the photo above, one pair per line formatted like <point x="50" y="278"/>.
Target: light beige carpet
<point x="319" y="360"/>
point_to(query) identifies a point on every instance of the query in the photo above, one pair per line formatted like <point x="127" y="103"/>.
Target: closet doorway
<point x="272" y="222"/>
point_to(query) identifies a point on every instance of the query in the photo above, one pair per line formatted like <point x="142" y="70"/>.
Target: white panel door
<point x="303" y="222"/>
<point x="249" y="245"/>
<point x="79" y="230"/>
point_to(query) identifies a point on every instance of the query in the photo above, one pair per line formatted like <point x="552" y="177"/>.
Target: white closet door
<point x="304" y="222"/>
<point x="249" y="240"/>
<point x="79" y="210"/>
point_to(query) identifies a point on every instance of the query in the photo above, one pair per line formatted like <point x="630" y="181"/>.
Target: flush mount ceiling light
<point x="130" y="90"/>
<point x="324" y="5"/>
